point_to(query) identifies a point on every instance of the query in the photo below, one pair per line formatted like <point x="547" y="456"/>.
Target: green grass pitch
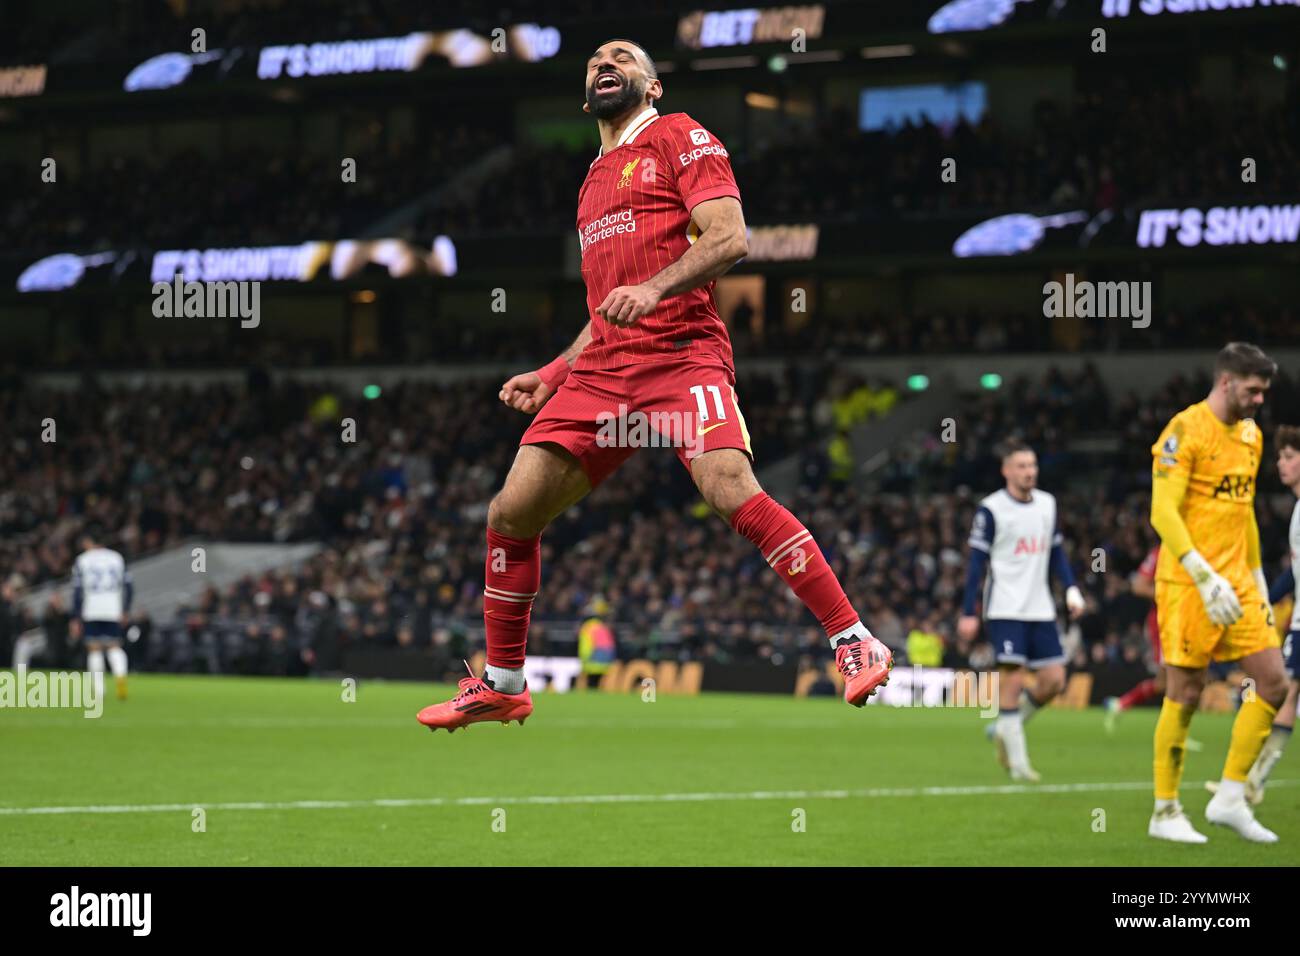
<point x="286" y="772"/>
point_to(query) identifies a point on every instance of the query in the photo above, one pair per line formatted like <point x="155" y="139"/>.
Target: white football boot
<point x="1025" y="772"/>
<point x="1254" y="791"/>
<point x="1236" y="814"/>
<point x="1171" y="823"/>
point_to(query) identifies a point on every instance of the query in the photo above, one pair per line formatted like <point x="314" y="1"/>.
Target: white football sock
<point x="1233" y="790"/>
<point x="1028" y="706"/>
<point x="1269" y="755"/>
<point x="1164" y="804"/>
<point x="95" y="662"/>
<point x="505" y="680"/>
<point x="858" y="631"/>
<point x="117" y="661"/>
<point x="1012" y="731"/>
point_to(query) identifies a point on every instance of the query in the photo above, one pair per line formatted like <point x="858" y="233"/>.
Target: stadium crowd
<point x="193" y="198"/>
<point x="401" y="516"/>
<point x="1074" y="156"/>
<point x="246" y="196"/>
<point x="142" y="28"/>
<point x="823" y="338"/>
<point x="939" y="331"/>
<point x="264" y="461"/>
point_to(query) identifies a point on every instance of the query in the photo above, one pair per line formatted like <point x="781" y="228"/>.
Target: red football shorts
<point x="603" y="416"/>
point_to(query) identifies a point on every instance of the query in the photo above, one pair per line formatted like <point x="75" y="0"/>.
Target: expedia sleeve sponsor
<point x="714" y="149"/>
<point x="699" y="162"/>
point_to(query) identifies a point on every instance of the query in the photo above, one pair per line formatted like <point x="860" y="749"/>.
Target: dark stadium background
<point x="174" y="433"/>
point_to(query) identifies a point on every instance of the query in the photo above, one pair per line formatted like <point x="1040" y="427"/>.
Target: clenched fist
<point x="526" y="392"/>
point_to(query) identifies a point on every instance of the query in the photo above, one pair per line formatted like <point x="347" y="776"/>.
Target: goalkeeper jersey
<point x="1218" y="465"/>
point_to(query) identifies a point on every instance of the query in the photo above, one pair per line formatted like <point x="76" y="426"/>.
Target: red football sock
<point x="1139" y="694"/>
<point x="791" y="551"/>
<point x="511" y="579"/>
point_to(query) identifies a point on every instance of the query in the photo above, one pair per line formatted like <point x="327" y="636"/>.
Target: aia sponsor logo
<point x="1031" y="546"/>
<point x="1235" y="487"/>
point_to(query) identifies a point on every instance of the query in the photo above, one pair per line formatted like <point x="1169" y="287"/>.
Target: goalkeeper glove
<point x="1220" y="600"/>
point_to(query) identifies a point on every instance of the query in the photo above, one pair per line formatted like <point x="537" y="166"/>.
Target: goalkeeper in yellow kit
<point x="1211" y="594"/>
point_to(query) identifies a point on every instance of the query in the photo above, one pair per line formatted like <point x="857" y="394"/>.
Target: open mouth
<point x="608" y="83"/>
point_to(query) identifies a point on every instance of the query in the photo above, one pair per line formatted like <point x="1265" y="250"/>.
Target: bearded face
<point x="611" y="93"/>
<point x="1245" y="395"/>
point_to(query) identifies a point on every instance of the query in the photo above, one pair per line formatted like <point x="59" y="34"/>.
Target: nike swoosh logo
<point x="705" y="431"/>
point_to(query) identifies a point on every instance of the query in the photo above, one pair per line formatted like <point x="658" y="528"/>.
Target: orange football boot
<point x="476" y="701"/>
<point x="865" y="665"/>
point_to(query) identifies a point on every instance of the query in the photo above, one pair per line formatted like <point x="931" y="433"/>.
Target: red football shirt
<point x="634" y="219"/>
<point x="1148" y="570"/>
<point x="1148" y="566"/>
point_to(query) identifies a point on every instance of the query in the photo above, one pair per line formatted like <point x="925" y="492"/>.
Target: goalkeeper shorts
<point x="1188" y="638"/>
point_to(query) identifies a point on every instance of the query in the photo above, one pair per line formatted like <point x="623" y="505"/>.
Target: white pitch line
<point x="578" y="799"/>
<point x="407" y="723"/>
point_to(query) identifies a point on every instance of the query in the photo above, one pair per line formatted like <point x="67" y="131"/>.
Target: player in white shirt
<point x="1287" y="583"/>
<point x="1015" y="537"/>
<point x="101" y="598"/>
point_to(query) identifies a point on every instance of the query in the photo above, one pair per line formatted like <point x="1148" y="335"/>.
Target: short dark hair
<point x="1011" y="446"/>
<point x="1287" y="436"/>
<point x="1243" y="359"/>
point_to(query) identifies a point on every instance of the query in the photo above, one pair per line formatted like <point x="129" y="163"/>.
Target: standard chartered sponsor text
<point x="606" y="226"/>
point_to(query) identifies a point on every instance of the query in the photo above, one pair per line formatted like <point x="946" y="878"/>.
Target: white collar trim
<point x="634" y="128"/>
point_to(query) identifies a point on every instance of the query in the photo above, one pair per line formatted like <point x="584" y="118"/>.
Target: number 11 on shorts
<point x="698" y="392"/>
